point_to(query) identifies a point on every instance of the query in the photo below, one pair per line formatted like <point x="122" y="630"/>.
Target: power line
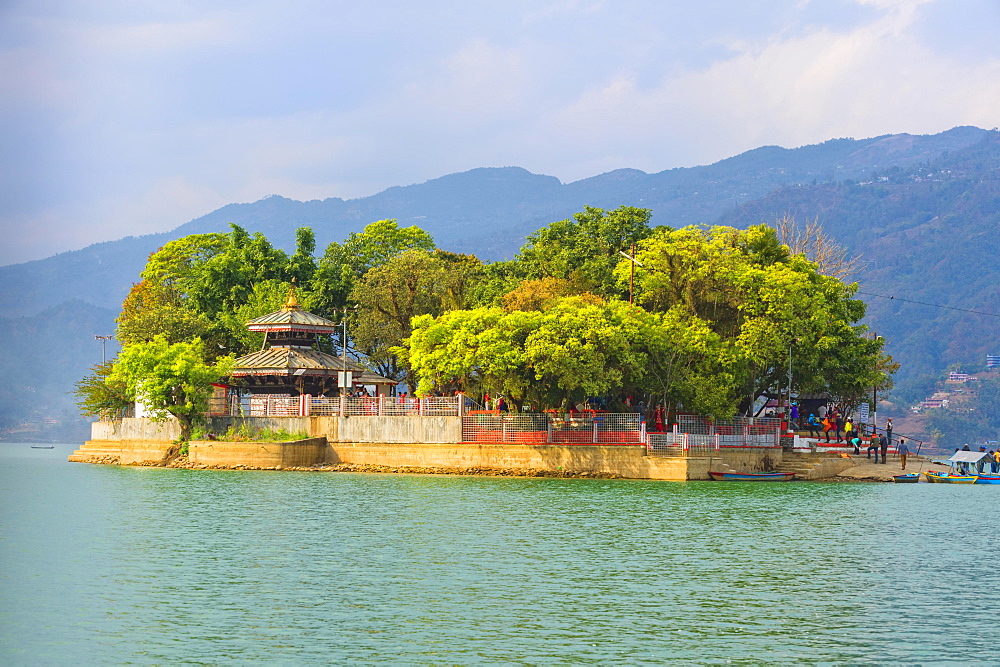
<point x="924" y="303"/>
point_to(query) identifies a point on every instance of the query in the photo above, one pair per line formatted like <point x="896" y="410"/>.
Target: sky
<point x="127" y="117"/>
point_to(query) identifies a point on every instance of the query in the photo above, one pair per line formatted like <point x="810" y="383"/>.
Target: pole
<point x="875" y="397"/>
<point x="104" y="340"/>
<point x="788" y="406"/>
<point x="343" y="340"/>
<point x="631" y="278"/>
<point x="343" y="389"/>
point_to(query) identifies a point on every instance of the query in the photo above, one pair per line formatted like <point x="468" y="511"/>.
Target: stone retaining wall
<point x="297" y="453"/>
<point x="425" y="442"/>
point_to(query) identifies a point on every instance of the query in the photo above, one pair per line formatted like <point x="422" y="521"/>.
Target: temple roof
<point x="288" y="360"/>
<point x="291" y="317"/>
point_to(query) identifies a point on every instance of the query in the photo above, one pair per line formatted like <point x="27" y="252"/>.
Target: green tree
<point x="573" y="349"/>
<point x="153" y="308"/>
<point x="769" y="306"/>
<point x="585" y="249"/>
<point x="389" y="296"/>
<point x="99" y="397"/>
<point x="170" y="379"/>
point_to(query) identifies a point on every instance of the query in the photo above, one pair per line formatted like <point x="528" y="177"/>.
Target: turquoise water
<point x="104" y="564"/>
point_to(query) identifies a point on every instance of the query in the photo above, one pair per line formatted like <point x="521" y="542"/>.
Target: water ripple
<point x="149" y="565"/>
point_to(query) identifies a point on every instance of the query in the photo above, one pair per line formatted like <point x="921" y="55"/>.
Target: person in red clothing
<point x="659" y="418"/>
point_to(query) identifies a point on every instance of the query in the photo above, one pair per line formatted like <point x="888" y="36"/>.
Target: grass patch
<point x="246" y="433"/>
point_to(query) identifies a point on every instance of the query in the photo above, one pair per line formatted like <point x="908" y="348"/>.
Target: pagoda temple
<point x="289" y="363"/>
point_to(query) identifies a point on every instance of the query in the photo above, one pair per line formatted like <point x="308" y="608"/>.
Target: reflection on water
<point x="108" y="564"/>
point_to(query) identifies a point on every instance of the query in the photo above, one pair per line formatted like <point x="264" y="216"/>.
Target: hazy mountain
<point x="929" y="233"/>
<point x="877" y="195"/>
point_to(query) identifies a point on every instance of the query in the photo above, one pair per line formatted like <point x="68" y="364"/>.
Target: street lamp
<point x="104" y="340"/>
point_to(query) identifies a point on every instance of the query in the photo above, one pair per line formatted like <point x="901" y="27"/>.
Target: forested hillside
<point x="927" y="233"/>
<point x="922" y="210"/>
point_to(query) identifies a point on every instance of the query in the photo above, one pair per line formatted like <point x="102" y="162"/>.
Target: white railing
<point x="755" y="435"/>
<point x="280" y="405"/>
<point x="543" y="428"/>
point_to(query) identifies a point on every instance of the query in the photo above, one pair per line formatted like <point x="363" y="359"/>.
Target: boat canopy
<point x="966" y="457"/>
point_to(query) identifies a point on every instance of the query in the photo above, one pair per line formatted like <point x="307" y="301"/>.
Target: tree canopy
<point x="719" y="313"/>
<point x="169" y="379"/>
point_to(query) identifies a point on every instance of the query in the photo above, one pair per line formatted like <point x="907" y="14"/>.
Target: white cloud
<point x="157" y="114"/>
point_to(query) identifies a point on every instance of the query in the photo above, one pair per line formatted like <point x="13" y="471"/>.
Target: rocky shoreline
<point x="864" y="471"/>
<point x="185" y="463"/>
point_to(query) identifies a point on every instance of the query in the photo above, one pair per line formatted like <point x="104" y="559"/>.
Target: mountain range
<point x="921" y="210"/>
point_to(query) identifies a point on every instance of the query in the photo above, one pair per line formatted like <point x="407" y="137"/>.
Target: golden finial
<point x="291" y="303"/>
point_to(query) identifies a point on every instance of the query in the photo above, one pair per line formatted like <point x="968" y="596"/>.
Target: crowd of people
<point x="833" y="420"/>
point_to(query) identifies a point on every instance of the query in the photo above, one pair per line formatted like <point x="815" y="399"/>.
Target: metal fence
<point x="543" y="428"/>
<point x="281" y="405"/>
<point x="700" y="436"/>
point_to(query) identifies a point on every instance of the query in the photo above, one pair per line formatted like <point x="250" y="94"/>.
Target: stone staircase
<point x="811" y="465"/>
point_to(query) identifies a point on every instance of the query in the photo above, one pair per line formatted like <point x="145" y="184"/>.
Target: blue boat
<point x="987" y="479"/>
<point x="752" y="476"/>
<point x="963" y="470"/>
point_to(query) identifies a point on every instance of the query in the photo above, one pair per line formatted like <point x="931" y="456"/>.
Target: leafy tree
<point x="379" y="242"/>
<point x="225" y="280"/>
<point x="302" y="265"/>
<point x="99" y="397"/>
<point x="175" y="262"/>
<point x="585" y="249"/>
<point x="170" y="379"/>
<point x="389" y="296"/>
<point x="574" y="349"/>
<point x="154" y="308"/>
<point x="769" y="306"/>
<point x="537" y="294"/>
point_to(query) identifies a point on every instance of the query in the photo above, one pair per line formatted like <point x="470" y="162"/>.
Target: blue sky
<point x="129" y="117"/>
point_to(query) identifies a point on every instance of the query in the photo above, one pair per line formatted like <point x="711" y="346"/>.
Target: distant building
<point x="958" y="377"/>
<point x="993" y="361"/>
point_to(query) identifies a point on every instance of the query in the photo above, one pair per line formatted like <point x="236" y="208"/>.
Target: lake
<point x="106" y="564"/>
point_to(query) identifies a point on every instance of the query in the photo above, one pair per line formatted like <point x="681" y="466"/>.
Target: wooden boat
<point x="962" y="464"/>
<point x="907" y="478"/>
<point x="752" y="476"/>
<point x="987" y="479"/>
<point x="949" y="478"/>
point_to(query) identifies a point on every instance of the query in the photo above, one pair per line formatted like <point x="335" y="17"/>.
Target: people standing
<point x="838" y="422"/>
<point x="981" y="462"/>
<point x="888" y="429"/>
<point x="884" y="446"/>
<point x="827" y="427"/>
<point x="904" y="451"/>
<point x="849" y="431"/>
<point x="995" y="464"/>
<point x="795" y="416"/>
<point x="813" y="425"/>
<point x="873" y="446"/>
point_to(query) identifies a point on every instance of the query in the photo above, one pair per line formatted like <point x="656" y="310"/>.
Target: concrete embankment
<point x="431" y="444"/>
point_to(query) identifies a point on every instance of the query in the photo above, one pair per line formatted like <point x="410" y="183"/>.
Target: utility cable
<point x="924" y="303"/>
